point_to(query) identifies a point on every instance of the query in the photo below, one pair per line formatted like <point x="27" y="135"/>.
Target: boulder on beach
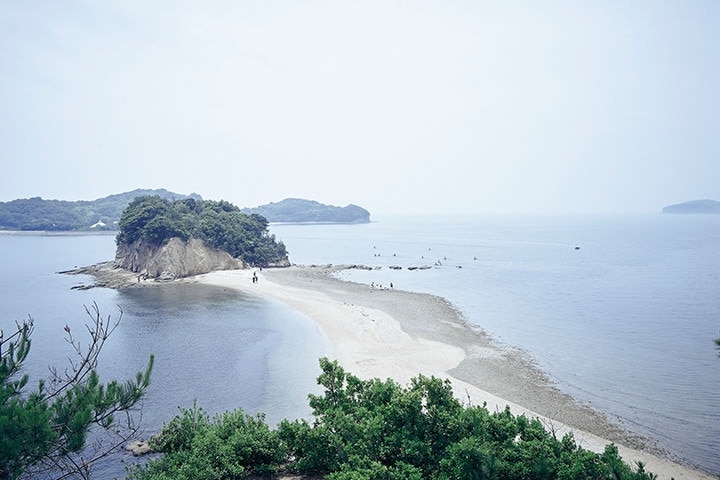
<point x="138" y="447"/>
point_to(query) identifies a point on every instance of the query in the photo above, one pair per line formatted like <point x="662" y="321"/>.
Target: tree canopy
<point x="220" y="224"/>
<point x="377" y="430"/>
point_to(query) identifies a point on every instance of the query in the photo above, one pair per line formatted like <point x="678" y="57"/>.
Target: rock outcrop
<point x="138" y="447"/>
<point x="174" y="259"/>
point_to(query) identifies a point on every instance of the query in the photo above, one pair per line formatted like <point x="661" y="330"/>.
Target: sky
<point x="427" y="107"/>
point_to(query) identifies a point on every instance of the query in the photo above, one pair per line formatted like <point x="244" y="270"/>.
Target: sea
<point x="619" y="311"/>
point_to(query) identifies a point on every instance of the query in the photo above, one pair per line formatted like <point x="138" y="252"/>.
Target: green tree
<point x="45" y="431"/>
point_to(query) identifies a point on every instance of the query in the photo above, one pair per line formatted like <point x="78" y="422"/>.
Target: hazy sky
<point x="397" y="106"/>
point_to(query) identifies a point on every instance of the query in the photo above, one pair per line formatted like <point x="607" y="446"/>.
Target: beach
<point x="389" y="333"/>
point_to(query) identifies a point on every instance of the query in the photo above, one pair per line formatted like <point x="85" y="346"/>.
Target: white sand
<point x="398" y="335"/>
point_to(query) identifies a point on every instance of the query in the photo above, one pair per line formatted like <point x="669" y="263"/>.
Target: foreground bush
<point x="378" y="430"/>
<point x="232" y="445"/>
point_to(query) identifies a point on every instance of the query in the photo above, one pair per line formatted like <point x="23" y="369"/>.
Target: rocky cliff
<point x="174" y="259"/>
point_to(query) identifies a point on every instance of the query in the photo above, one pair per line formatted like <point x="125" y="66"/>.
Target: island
<point x="161" y="239"/>
<point x="298" y="210"/>
<point x="694" y="206"/>
<point x="38" y="214"/>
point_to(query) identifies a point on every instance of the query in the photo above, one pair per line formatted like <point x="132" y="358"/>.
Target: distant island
<point x="38" y="214"/>
<point x="297" y="210"/>
<point x="694" y="206"/>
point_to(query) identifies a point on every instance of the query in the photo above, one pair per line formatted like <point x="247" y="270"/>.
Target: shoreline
<point x="398" y="334"/>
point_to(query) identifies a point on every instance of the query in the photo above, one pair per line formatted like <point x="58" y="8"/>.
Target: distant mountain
<point x="297" y="210"/>
<point x="84" y="215"/>
<point x="694" y="206"/>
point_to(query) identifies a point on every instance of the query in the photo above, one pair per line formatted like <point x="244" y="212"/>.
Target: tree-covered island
<point x="152" y="221"/>
<point x="298" y="210"/>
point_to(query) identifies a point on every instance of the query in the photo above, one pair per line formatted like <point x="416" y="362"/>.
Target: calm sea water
<point x="212" y="345"/>
<point x="624" y="323"/>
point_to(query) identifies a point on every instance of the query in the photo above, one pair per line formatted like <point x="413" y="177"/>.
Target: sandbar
<point x="396" y="334"/>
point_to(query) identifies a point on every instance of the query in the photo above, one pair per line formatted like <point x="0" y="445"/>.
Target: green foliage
<point x="378" y="430"/>
<point x="182" y="430"/>
<point x="20" y="418"/>
<point x="359" y="468"/>
<point x="219" y="223"/>
<point x="46" y="429"/>
<point x="135" y="221"/>
<point x="232" y="445"/>
<point x="468" y="459"/>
